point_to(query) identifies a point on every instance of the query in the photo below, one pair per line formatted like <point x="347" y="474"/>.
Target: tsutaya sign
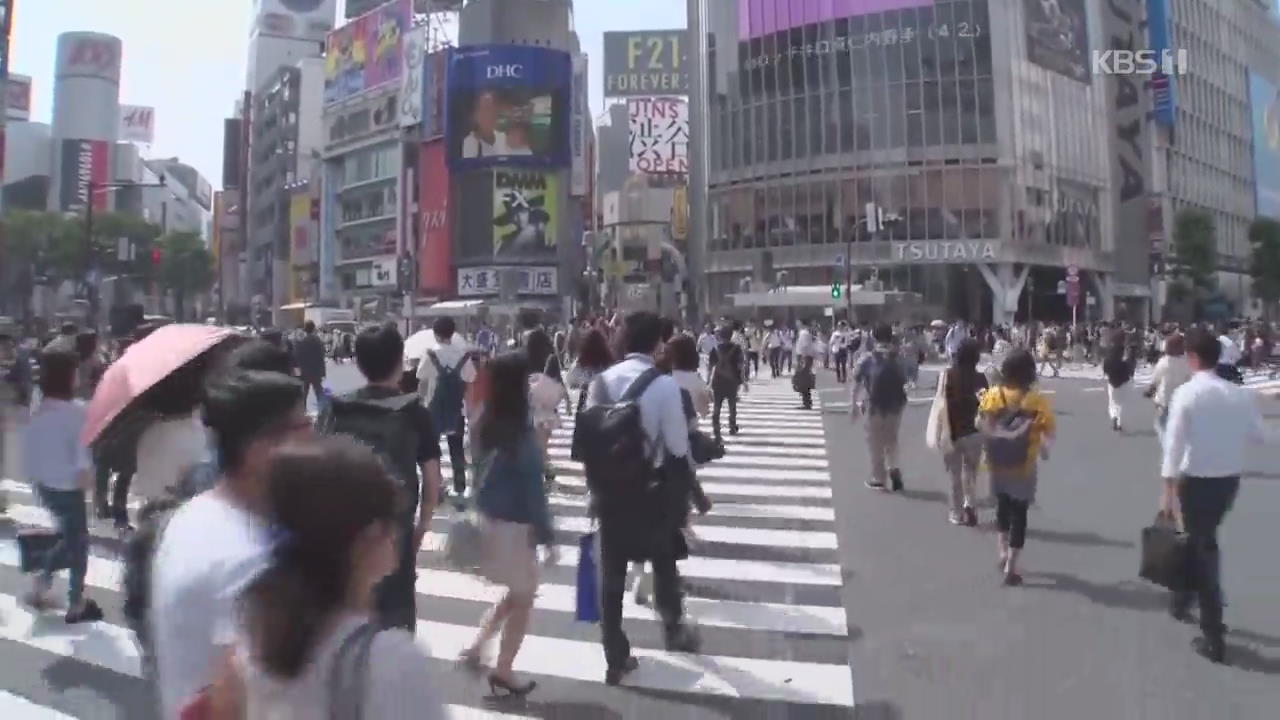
<point x="945" y="251"/>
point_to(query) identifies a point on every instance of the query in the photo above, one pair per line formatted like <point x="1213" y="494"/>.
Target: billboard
<point x="88" y="55"/>
<point x="17" y="95"/>
<point x="1264" y="104"/>
<point x="579" y="127"/>
<point x="302" y="235"/>
<point x="641" y="63"/>
<point x="1058" y="37"/>
<point x="411" y="93"/>
<point x="367" y="52"/>
<point x="482" y="281"/>
<point x="435" y="253"/>
<point x="137" y="124"/>
<point x="83" y="164"/>
<point x="294" y="19"/>
<point x="434" y="68"/>
<point x="659" y="135"/>
<point x="524" y="214"/>
<point x="757" y="18"/>
<point x="508" y="104"/>
<point x="1164" y="87"/>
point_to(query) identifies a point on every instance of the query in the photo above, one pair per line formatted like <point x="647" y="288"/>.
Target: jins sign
<point x="945" y="251"/>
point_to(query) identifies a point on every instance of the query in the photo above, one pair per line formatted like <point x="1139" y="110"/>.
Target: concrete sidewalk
<point x="935" y="635"/>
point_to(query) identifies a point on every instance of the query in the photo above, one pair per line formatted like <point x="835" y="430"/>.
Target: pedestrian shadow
<point x="1139" y="433"/>
<point x="128" y="695"/>
<point x="1091" y="539"/>
<point x="1129" y="594"/>
<point x="924" y="495"/>
<point x="877" y="710"/>
<point x="1247" y="658"/>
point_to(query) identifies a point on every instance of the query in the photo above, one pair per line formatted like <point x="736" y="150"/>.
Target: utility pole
<point x="698" y="162"/>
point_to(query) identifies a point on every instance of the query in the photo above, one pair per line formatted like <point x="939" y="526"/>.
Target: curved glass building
<point x="960" y="149"/>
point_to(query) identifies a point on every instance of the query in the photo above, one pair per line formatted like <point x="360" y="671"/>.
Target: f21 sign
<point x="659" y="136"/>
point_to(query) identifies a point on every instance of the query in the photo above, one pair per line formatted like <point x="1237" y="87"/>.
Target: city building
<point x="284" y="148"/>
<point x="945" y="149"/>
<point x="1205" y="138"/>
<point x="283" y="32"/>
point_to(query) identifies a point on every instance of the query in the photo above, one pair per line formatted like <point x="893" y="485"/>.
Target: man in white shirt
<point x="806" y="352"/>
<point x="443" y="377"/>
<point x="217" y="543"/>
<point x="1211" y="422"/>
<point x="840" y="351"/>
<point x="485" y="139"/>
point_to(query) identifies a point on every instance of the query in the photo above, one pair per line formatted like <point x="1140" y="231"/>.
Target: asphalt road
<point x="934" y="634"/>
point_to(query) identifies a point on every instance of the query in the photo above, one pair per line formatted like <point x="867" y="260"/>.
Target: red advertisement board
<point x="435" y="255"/>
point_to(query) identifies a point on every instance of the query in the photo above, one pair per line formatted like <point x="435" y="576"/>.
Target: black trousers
<point x="119" y="501"/>
<point x="775" y="361"/>
<point x="753" y="362"/>
<point x="313" y="385"/>
<point x="1205" y="502"/>
<point x="1011" y="518"/>
<point x="457" y="458"/>
<point x="395" y="597"/>
<point x="667" y="600"/>
<point x="842" y="366"/>
<point x="719" y="401"/>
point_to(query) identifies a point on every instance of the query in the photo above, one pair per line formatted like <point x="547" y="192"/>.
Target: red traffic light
<point x="155" y="256"/>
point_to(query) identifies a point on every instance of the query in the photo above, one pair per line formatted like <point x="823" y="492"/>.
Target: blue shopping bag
<point x="588" y="589"/>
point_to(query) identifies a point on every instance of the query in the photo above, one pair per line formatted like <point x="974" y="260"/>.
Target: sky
<point x="187" y="59"/>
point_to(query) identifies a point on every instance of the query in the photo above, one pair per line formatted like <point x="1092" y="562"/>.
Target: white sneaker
<point x="644" y="588"/>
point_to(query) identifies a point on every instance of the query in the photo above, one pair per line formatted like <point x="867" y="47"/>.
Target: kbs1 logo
<point x="1140" y="62"/>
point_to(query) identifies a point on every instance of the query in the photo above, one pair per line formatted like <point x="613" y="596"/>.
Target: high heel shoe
<point x="497" y="683"/>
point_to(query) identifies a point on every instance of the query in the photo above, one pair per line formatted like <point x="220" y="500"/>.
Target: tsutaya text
<point x="945" y="251"/>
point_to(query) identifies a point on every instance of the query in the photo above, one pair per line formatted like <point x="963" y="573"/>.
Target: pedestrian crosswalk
<point x="1261" y="381"/>
<point x="763" y="587"/>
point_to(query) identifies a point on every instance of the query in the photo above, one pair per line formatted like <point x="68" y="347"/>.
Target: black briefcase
<point x="34" y="546"/>
<point x="1164" y="556"/>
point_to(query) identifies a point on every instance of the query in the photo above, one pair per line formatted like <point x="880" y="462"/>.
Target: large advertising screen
<point x="1264" y="102"/>
<point x="367" y="52"/>
<point x="508" y="105"/>
<point x="524" y="214"/>
<point x="84" y="164"/>
<point x="757" y="18"/>
<point x="1058" y="36"/>
<point x="644" y="63"/>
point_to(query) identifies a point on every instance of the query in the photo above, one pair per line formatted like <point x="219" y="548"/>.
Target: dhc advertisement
<point x="1264" y="104"/>
<point x="508" y="105"/>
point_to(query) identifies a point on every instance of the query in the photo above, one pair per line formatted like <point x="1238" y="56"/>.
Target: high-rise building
<point x="284" y="32"/>
<point x="945" y="149"/>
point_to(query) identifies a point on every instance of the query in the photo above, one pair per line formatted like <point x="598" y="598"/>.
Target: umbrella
<point x="144" y="364"/>
<point x="416" y="347"/>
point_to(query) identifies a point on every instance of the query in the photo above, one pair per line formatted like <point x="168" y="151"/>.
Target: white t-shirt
<point x="209" y="551"/>
<point x="474" y="146"/>
<point x="449" y="354"/>
<point x="1230" y="351"/>
<point x="166" y="450"/>
<point x="398" y="684"/>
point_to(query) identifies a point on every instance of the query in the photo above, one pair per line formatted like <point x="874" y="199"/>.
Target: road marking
<point x="20" y="708"/>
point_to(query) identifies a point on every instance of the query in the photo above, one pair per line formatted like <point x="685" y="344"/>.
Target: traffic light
<point x="836" y="291"/>
<point x="155" y="257"/>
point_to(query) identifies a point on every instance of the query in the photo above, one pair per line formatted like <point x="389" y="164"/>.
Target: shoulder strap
<point x="640" y="384"/>
<point x="349" y="674"/>
<point x="435" y="360"/>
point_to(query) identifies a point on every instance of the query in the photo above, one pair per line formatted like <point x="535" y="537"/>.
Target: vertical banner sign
<point x="680" y="213"/>
<point x="84" y="164"/>
<point x="434" y="67"/>
<point x="411" y="95"/>
<point x="1264" y="106"/>
<point x="435" y="254"/>
<point x="659" y="135"/>
<point x="644" y="63"/>
<point x="137" y="124"/>
<point x="300" y="235"/>
<point x="579" y="127"/>
<point x="524" y="214"/>
<point x="1164" y="87"/>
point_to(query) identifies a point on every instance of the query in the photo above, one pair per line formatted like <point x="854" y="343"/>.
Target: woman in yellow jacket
<point x="1019" y="426"/>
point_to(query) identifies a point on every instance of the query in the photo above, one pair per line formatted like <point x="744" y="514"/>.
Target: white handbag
<point x="937" y="431"/>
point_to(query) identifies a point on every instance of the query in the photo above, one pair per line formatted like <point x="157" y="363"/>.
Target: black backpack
<point x="614" y="448"/>
<point x="725" y="375"/>
<point x="385" y="425"/>
<point x="445" y="404"/>
<point x="886" y="383"/>
<point x="1009" y="446"/>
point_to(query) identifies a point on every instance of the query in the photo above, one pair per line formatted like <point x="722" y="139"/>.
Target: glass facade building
<point x="914" y="139"/>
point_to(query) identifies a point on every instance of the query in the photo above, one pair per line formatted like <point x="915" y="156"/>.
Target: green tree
<point x="1264" y="266"/>
<point x="186" y="268"/>
<point x="1195" y="248"/>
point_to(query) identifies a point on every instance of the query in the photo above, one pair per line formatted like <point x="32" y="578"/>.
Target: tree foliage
<point x="1195" y="248"/>
<point x="186" y="267"/>
<point x="1264" y="236"/>
<point x="54" y="245"/>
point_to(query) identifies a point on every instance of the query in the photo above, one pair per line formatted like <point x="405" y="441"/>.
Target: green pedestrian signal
<point x="835" y="291"/>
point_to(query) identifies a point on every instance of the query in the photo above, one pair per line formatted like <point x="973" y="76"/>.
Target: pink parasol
<point x="144" y="364"/>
